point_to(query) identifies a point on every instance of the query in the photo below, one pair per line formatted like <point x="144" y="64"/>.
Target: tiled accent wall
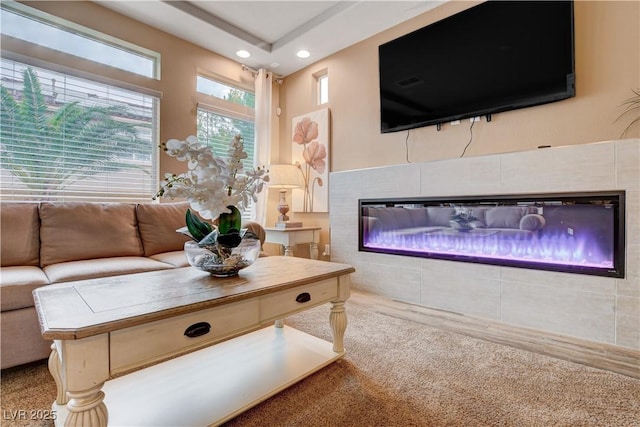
<point x="594" y="308"/>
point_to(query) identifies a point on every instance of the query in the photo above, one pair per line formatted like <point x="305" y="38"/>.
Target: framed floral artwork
<point x="310" y="152"/>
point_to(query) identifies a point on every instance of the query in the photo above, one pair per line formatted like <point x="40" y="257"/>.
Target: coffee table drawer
<point x="279" y="304"/>
<point x="145" y="344"/>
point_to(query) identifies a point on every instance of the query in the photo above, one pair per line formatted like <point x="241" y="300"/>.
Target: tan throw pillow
<point x="20" y="228"/>
<point x="77" y="231"/>
<point x="158" y="224"/>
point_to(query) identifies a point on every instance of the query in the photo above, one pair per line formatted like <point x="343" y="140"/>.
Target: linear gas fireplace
<point x="574" y="233"/>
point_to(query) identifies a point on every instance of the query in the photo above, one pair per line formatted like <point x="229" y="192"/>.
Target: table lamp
<point x="284" y="177"/>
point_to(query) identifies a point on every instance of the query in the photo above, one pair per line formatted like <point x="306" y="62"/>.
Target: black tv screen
<point x="493" y="57"/>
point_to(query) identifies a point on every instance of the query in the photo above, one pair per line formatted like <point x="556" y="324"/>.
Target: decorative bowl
<point x="220" y="260"/>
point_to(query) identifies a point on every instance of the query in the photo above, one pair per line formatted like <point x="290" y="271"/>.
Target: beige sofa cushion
<point x="158" y="224"/>
<point x="79" y="231"/>
<point x="20" y="228"/>
<point x="174" y="258"/>
<point x="105" y="267"/>
<point x="16" y="285"/>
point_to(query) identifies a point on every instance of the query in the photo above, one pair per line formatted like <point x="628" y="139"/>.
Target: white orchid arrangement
<point x="212" y="184"/>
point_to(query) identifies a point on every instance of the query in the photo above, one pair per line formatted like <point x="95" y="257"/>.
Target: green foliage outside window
<point x="48" y="147"/>
<point x="218" y="129"/>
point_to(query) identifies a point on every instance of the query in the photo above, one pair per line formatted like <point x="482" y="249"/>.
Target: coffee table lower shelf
<point x="213" y="385"/>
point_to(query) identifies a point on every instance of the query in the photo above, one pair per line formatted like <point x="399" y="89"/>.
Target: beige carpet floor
<point x="402" y="373"/>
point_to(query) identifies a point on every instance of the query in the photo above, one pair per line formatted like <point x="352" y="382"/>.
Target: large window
<point x="64" y="138"/>
<point x="67" y="134"/>
<point x="223" y="112"/>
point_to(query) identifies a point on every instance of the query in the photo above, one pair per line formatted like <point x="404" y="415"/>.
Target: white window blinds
<point x="218" y="130"/>
<point x="64" y="138"/>
<point x="227" y="112"/>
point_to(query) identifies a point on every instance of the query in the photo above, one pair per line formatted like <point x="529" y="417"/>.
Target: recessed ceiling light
<point x="303" y="54"/>
<point x="243" y="53"/>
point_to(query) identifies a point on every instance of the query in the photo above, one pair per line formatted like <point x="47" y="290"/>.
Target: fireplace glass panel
<point x="575" y="233"/>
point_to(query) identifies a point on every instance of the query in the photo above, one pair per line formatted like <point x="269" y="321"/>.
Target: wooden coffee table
<point x="139" y="349"/>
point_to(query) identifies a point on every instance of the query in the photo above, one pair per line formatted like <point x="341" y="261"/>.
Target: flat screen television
<point x="493" y="57"/>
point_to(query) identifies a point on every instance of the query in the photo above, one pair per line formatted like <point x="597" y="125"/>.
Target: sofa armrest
<point x="532" y="222"/>
<point x="256" y="229"/>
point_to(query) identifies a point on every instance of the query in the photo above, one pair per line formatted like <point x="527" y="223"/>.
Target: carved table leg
<point x="338" y="322"/>
<point x="87" y="408"/>
<point x="55" y="368"/>
<point x="84" y="364"/>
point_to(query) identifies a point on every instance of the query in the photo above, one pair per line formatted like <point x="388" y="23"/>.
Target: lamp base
<point x="283" y="207"/>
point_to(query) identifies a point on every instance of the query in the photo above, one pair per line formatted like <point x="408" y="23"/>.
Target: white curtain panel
<point x="263" y="91"/>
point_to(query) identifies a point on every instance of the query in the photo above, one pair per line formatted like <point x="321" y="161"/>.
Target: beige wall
<point x="607" y="69"/>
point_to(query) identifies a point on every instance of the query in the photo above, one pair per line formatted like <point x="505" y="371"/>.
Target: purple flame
<point x="562" y="249"/>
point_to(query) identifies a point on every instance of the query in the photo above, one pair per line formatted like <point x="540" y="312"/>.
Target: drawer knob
<point x="304" y="297"/>
<point x="197" y="329"/>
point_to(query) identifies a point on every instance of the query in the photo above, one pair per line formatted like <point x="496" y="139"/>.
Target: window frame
<point x="30" y="54"/>
<point x="224" y="108"/>
<point x="86" y="32"/>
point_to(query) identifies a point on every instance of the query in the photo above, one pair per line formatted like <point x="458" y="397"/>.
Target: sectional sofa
<point x="46" y="243"/>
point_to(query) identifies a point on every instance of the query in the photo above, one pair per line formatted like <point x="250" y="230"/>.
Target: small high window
<point x="322" y="87"/>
